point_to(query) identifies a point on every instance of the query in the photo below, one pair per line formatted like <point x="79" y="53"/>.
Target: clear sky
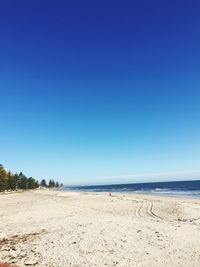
<point x="100" y="91"/>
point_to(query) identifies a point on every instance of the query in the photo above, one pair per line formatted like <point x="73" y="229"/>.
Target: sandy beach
<point x="61" y="229"/>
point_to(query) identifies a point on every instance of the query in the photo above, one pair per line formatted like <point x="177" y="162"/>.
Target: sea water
<point x="177" y="188"/>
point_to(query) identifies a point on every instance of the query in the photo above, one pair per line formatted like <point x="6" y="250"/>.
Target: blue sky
<point x="100" y="92"/>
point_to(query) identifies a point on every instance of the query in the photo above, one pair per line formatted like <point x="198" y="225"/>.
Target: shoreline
<point x="157" y="195"/>
<point x="132" y="193"/>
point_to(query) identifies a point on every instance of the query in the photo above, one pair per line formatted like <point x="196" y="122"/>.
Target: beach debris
<point x="10" y="242"/>
<point x="30" y="261"/>
<point x="15" y="250"/>
<point x="5" y="248"/>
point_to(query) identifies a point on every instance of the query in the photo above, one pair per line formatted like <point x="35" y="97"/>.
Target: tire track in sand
<point x="137" y="212"/>
<point x="150" y="211"/>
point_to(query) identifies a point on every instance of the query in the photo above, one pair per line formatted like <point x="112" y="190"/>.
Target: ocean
<point x="177" y="188"/>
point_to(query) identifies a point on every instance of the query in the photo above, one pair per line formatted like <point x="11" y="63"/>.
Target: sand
<point x="61" y="229"/>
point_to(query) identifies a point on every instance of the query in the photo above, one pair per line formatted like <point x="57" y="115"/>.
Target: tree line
<point x="50" y="184"/>
<point x="10" y="181"/>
